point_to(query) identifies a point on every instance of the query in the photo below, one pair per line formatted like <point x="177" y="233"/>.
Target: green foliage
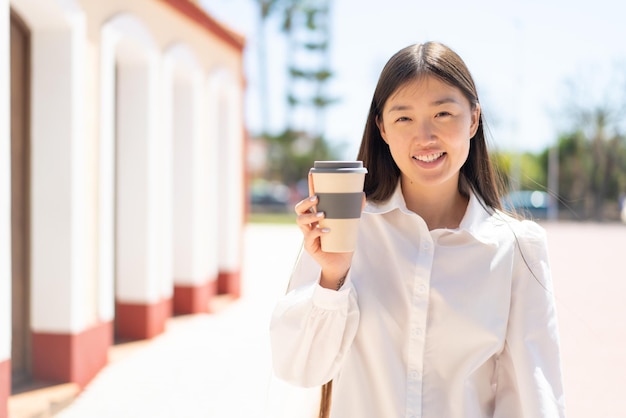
<point x="592" y="166"/>
<point x="291" y="155"/>
<point x="524" y="171"/>
<point x="305" y="25"/>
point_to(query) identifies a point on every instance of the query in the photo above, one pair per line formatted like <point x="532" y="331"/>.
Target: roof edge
<point x="198" y="15"/>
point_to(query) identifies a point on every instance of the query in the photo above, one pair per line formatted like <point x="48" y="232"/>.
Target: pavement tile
<point x="218" y="365"/>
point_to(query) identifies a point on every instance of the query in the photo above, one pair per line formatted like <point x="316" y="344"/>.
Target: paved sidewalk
<point x="218" y="365"/>
<point x="589" y="269"/>
<point x="210" y="366"/>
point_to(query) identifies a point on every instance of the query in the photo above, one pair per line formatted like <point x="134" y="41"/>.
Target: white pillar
<point x="5" y="189"/>
<point x="137" y="154"/>
<point x="232" y="179"/>
<point x="59" y="237"/>
<point x="135" y="280"/>
<point x="227" y="131"/>
<point x="193" y="261"/>
<point x="106" y="177"/>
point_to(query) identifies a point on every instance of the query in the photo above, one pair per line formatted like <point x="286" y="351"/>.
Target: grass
<point x="272" y="218"/>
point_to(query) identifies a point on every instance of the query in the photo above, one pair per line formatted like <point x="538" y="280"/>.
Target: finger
<point x="309" y="219"/>
<point x="312" y="238"/>
<point x="364" y="202"/>
<point x="305" y="205"/>
<point x="311" y="185"/>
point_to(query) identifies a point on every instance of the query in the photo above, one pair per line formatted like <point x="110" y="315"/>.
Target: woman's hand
<point x="335" y="266"/>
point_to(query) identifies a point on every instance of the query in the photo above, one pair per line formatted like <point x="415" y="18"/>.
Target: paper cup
<point x="339" y="188"/>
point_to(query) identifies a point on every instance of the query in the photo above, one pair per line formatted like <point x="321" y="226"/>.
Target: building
<point x="121" y="177"/>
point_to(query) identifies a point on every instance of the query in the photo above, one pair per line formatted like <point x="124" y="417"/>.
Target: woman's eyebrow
<point x="438" y="102"/>
<point x="399" y="108"/>
<point x="444" y="101"/>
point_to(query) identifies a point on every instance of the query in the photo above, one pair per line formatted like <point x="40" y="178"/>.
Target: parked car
<point x="531" y="204"/>
<point x="269" y="197"/>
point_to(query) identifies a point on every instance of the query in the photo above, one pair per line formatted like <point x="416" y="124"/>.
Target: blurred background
<point x="551" y="76"/>
<point x="151" y="152"/>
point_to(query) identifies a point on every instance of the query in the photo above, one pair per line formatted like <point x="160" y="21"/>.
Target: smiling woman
<point x="445" y="308"/>
<point x="427" y="125"/>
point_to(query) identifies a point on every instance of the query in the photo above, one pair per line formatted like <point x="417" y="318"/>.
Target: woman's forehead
<point x="428" y="88"/>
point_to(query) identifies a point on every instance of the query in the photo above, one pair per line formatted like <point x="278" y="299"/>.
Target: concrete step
<point x="40" y="401"/>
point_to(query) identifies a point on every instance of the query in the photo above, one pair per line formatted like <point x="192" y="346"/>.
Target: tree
<point x="533" y="173"/>
<point x="306" y="25"/>
<point x="266" y="9"/>
<point x="291" y="154"/>
<point x="592" y="151"/>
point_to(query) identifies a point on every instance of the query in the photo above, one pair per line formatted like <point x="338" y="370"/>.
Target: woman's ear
<point x="381" y="128"/>
<point x="475" y="120"/>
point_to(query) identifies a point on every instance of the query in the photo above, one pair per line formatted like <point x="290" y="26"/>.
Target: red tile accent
<point x="5" y="387"/>
<point x="229" y="282"/>
<point x="135" y="321"/>
<point x="196" y="14"/>
<point x="194" y="299"/>
<point x="73" y="358"/>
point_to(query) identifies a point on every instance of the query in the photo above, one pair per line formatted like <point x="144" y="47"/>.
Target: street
<point x="218" y="365"/>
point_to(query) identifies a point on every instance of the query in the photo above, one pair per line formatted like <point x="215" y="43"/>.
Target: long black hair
<point x="408" y="64"/>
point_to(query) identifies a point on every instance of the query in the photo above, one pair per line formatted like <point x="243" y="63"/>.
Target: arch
<point x="134" y="283"/>
<point x="62" y="245"/>
<point x="48" y="15"/>
<point x="194" y="204"/>
<point x="183" y="60"/>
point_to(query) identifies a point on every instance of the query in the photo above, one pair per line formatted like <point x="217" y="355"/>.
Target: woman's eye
<point x="442" y="114"/>
<point x="402" y="119"/>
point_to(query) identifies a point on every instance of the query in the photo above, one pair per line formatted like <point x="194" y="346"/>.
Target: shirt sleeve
<point x="529" y="378"/>
<point x="312" y="327"/>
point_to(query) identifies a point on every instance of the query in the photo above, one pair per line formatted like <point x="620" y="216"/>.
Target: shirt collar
<point x="477" y="220"/>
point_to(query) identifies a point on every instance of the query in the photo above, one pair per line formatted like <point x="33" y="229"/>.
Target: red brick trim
<point x="194" y="299"/>
<point x="5" y="387"/>
<point x="135" y="321"/>
<point x="229" y="282"/>
<point x="73" y="358"/>
<point x="196" y="14"/>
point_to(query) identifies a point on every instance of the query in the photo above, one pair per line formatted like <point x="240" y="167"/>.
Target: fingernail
<point x="313" y="198"/>
<point x="319" y="214"/>
<point x="325" y="230"/>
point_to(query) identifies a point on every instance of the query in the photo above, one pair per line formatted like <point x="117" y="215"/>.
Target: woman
<point x="445" y="309"/>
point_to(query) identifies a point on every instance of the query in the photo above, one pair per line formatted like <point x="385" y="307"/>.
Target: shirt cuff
<point x="330" y="299"/>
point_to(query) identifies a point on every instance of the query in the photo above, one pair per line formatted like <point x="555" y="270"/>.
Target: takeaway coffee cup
<point x="339" y="188"/>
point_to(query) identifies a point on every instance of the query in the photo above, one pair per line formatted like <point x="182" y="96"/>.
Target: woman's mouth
<point x="429" y="158"/>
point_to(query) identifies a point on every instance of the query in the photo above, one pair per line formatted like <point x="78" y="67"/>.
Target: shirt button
<point x="426" y="246"/>
<point x="413" y="374"/>
<point x="421" y="288"/>
<point x="418" y="332"/>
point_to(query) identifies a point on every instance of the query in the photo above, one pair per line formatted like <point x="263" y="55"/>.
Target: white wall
<point x="5" y="186"/>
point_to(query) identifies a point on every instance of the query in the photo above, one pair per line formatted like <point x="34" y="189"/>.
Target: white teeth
<point x="428" y="158"/>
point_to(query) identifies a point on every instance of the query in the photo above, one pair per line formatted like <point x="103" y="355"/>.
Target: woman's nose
<point x="424" y="132"/>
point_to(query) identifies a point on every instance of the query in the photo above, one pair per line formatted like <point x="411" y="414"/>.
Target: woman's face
<point x="428" y="125"/>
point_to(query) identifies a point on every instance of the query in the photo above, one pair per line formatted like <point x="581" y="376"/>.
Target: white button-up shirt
<point x="434" y="324"/>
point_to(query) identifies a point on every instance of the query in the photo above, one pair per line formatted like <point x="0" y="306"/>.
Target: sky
<point x="524" y="56"/>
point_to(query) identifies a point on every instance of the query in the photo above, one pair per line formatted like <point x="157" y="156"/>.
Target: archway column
<point x="141" y="305"/>
<point x="69" y="344"/>
<point x="225" y="95"/>
<point x="5" y="214"/>
<point x="135" y="272"/>
<point x="195" y="258"/>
